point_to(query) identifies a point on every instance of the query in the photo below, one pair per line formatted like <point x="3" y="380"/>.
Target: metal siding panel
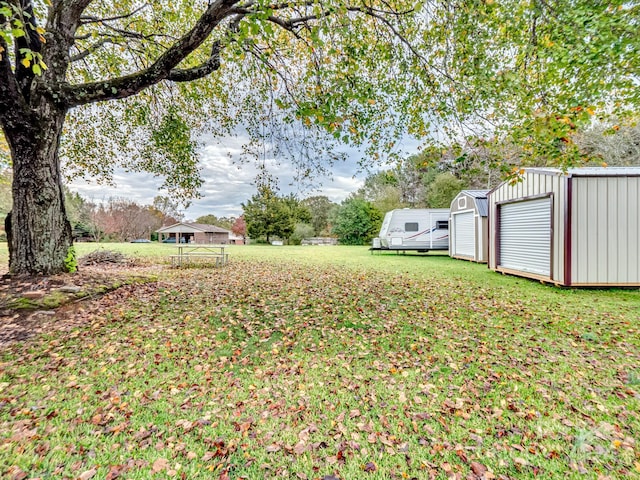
<point x="591" y="221"/>
<point x="593" y="189"/>
<point x="491" y="222"/>
<point x="464" y="234"/>
<point x="454" y="203"/>
<point x="603" y="233"/>
<point x="496" y="196"/>
<point x="633" y="221"/>
<point x="560" y="233"/>
<point x="481" y="206"/>
<point x="525" y="236"/>
<point x="591" y="240"/>
<point x="612" y="231"/>
<point x="580" y="232"/>
<point x="606" y="231"/>
<point x="556" y="184"/>
<point x="590" y="235"/>
<point x="484" y="239"/>
<point x="620" y="208"/>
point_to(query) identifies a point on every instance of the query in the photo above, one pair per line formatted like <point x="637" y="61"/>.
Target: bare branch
<point x="91" y="49"/>
<point x="91" y="19"/>
<point x="130" y="34"/>
<point x="286" y="24"/>
<point x="272" y="68"/>
<point x="114" y="40"/>
<point x="186" y="75"/>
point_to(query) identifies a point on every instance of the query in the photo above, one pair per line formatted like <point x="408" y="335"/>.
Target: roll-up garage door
<point x="464" y="235"/>
<point x="525" y="236"/>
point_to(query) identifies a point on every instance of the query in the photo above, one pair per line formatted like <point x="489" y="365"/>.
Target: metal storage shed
<point x="575" y="228"/>
<point x="469" y="226"/>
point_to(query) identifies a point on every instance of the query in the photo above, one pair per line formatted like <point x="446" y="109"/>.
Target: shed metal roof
<point x="483" y="206"/>
<point x="588" y="171"/>
<point x="480" y="199"/>
<point x="476" y="193"/>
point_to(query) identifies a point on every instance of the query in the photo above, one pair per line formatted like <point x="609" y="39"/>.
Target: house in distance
<point x="196" y="233"/>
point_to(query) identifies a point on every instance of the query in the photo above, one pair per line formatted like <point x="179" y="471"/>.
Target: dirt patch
<point x="31" y="305"/>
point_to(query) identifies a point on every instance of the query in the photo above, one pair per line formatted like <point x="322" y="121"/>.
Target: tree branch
<point x="400" y="37"/>
<point x="89" y="50"/>
<point x="90" y="19"/>
<point x="286" y="24"/>
<point x="161" y="69"/>
<point x="211" y="65"/>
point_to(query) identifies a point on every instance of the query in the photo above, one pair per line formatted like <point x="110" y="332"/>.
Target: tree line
<point x="428" y="179"/>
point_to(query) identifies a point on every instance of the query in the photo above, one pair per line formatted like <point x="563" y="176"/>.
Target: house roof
<point x="192" y="228"/>
<point x="210" y="228"/>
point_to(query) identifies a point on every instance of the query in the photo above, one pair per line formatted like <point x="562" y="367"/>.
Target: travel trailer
<point x="420" y="229"/>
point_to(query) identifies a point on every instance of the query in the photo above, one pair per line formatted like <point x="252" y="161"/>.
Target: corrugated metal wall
<point x="525" y="236"/>
<point x="605" y="227"/>
<point x="464" y="234"/>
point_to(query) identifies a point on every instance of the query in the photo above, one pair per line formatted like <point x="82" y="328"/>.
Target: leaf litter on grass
<point x="288" y="371"/>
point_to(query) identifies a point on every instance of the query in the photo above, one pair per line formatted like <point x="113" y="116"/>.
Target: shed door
<point x="464" y="235"/>
<point x="525" y="236"/>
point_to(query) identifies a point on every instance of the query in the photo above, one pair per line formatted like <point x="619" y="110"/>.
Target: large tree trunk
<point x="40" y="232"/>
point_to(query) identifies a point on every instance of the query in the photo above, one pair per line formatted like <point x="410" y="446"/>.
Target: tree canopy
<point x="356" y="221"/>
<point x="222" y="222"/>
<point x="319" y="208"/>
<point x="358" y="70"/>
<point x="268" y="215"/>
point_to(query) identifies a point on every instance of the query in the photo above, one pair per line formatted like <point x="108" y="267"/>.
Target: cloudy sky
<point x="227" y="184"/>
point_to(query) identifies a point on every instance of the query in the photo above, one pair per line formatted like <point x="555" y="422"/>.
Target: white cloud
<point x="227" y="182"/>
<point x="139" y="187"/>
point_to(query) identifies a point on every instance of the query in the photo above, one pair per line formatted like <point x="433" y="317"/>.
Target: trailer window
<point x="411" y="227"/>
<point x="442" y="225"/>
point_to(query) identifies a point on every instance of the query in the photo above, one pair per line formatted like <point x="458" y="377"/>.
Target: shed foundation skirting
<point x="520" y="273"/>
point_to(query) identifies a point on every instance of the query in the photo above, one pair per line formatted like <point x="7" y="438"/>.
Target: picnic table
<point x="190" y="252"/>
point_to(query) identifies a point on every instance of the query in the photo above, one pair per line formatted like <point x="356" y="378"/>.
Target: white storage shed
<point x="575" y="228"/>
<point x="469" y="226"/>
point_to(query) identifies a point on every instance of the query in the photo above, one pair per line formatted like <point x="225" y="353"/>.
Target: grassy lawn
<point x="325" y="363"/>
